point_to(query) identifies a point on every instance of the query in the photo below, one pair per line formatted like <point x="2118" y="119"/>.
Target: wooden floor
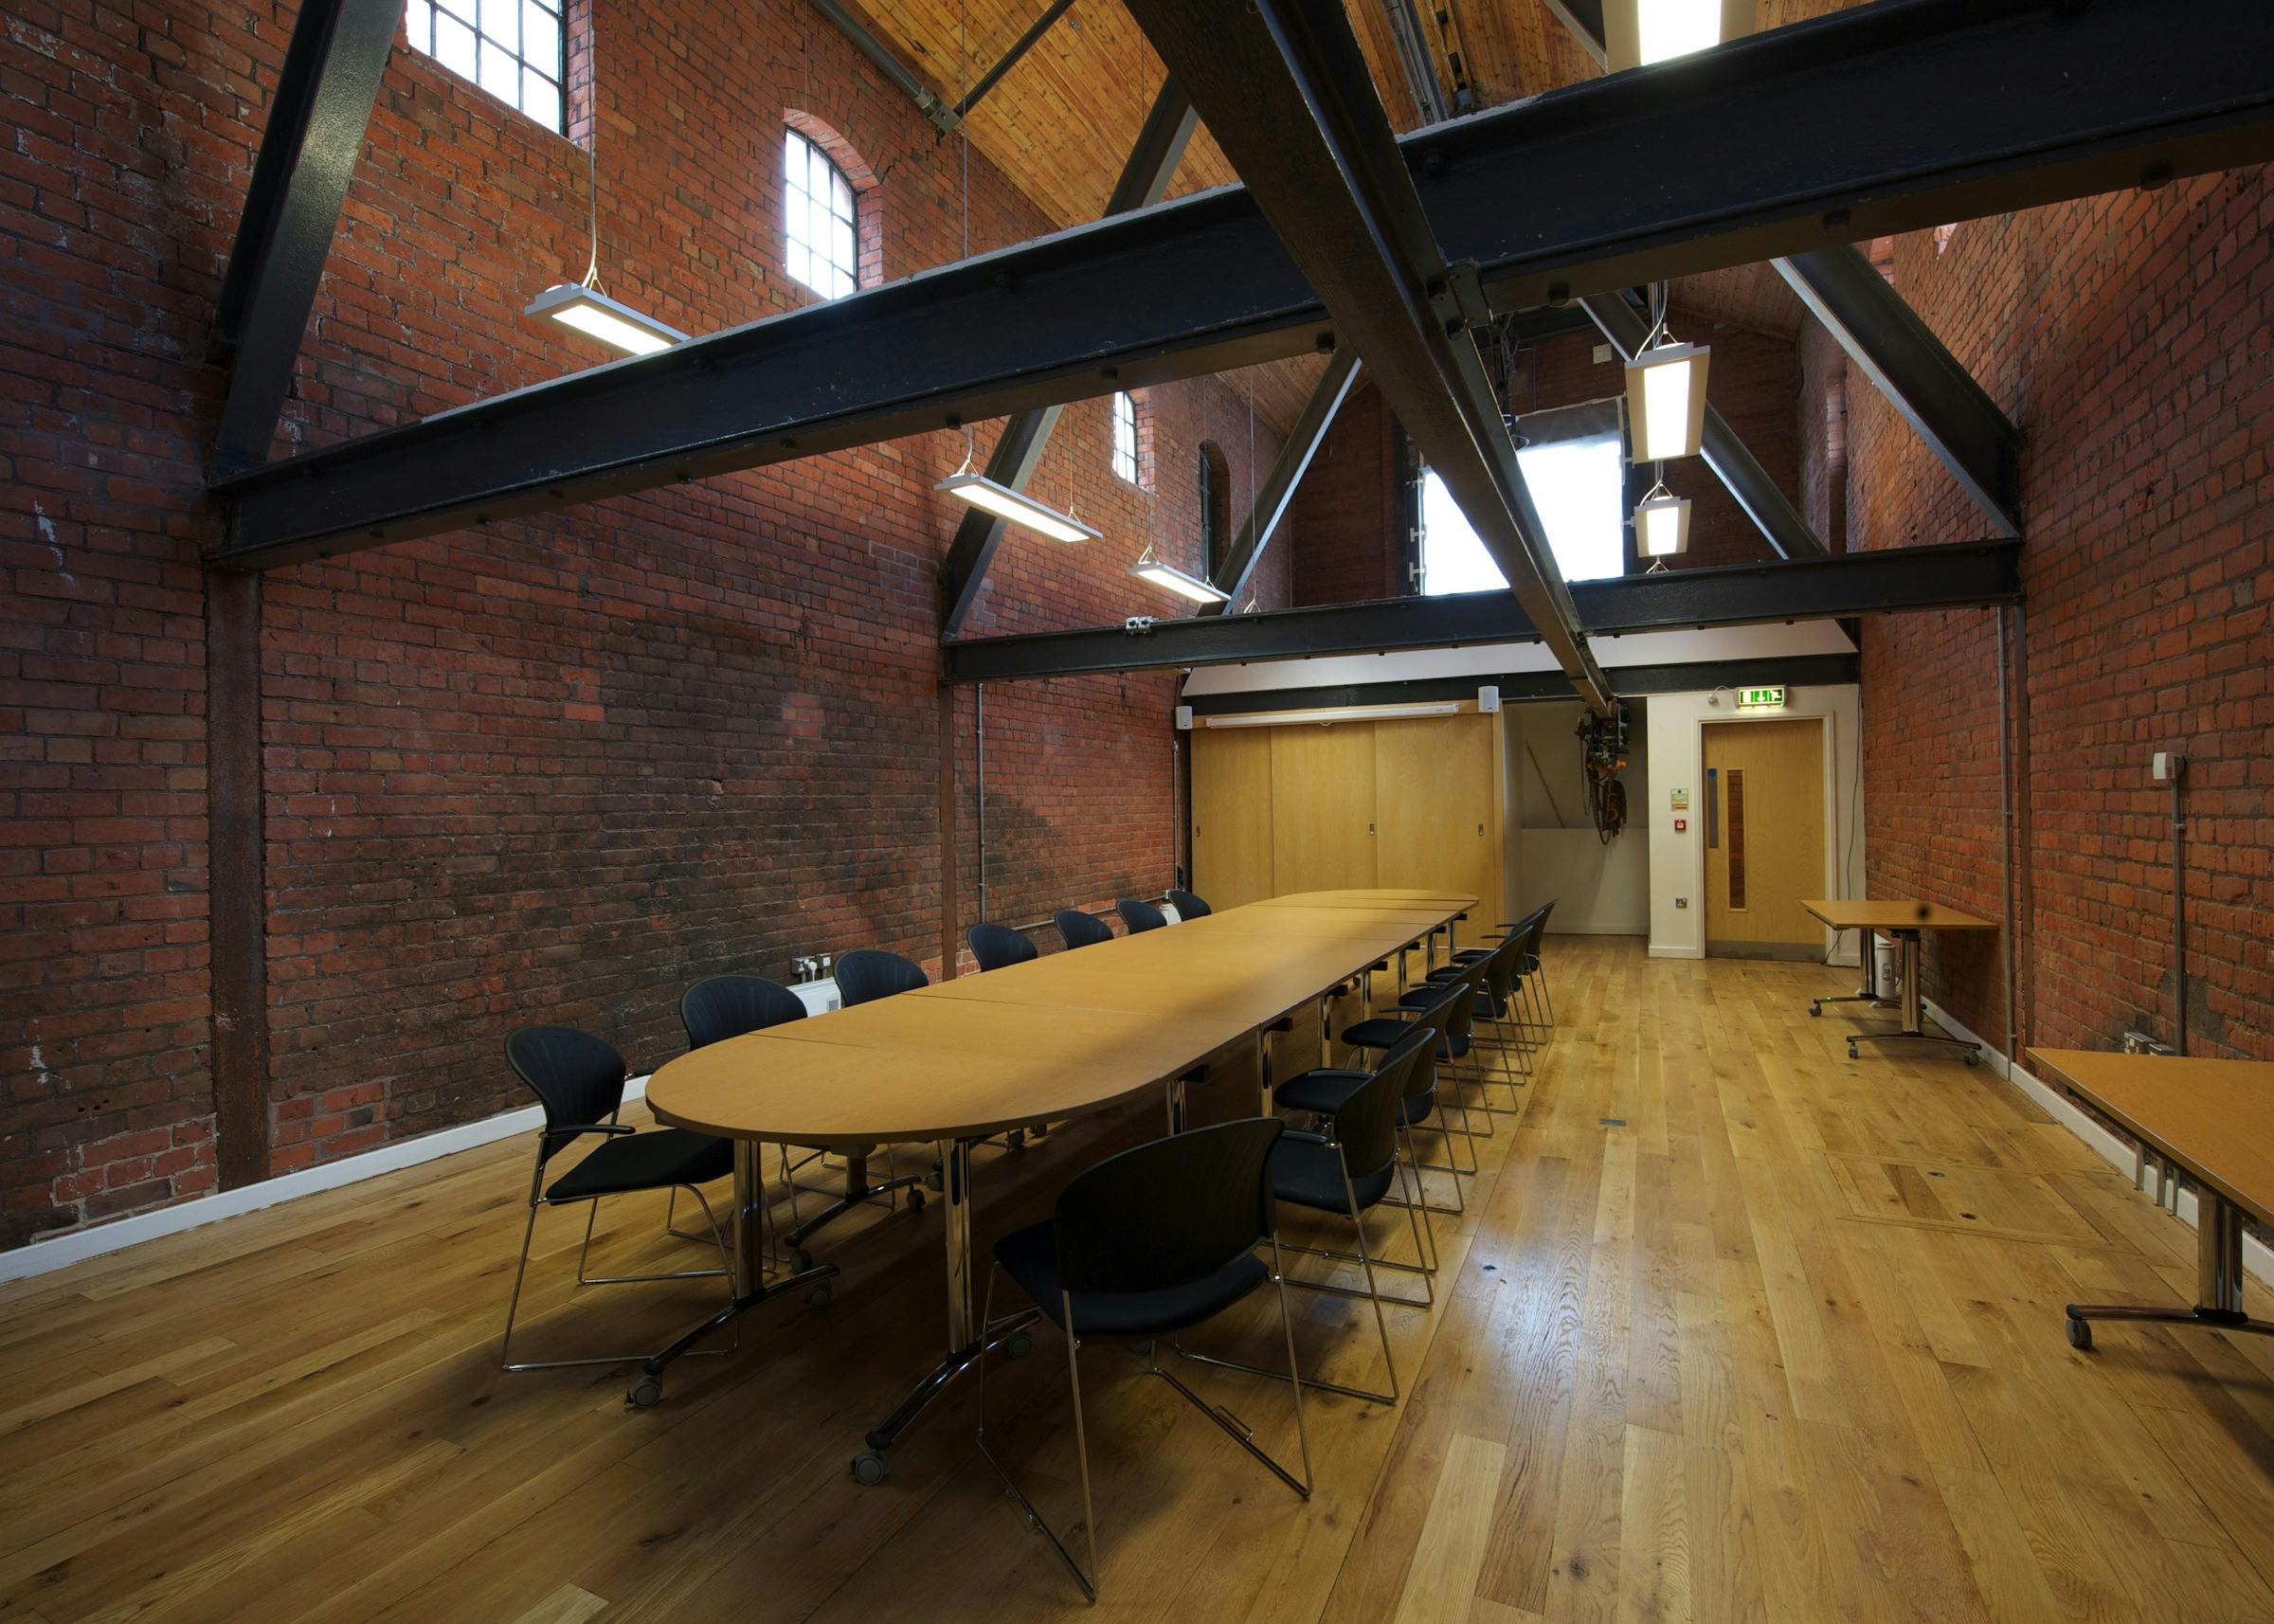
<point x="1735" y="1328"/>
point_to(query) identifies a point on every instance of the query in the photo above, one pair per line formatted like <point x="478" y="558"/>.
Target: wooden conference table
<point x="1064" y="1036"/>
<point x="1903" y="920"/>
<point x="2213" y="1120"/>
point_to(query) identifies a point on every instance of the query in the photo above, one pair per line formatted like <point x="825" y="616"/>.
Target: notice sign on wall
<point x="1681" y="800"/>
<point x="1760" y="698"/>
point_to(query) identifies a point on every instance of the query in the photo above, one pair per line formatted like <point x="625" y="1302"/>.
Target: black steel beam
<point x="1009" y="60"/>
<point x="1152" y="164"/>
<point x="1584" y="18"/>
<point x="1888" y="581"/>
<point x="309" y="148"/>
<point x="864" y="40"/>
<point x="1288" y="96"/>
<point x="1533" y="687"/>
<point x="1893" y="116"/>
<point x="1920" y="378"/>
<point x="1271" y="503"/>
<point x="1726" y="454"/>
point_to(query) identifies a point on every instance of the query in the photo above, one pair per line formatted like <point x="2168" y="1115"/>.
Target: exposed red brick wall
<point x="2125" y="336"/>
<point x="1346" y="518"/>
<point x="551" y="770"/>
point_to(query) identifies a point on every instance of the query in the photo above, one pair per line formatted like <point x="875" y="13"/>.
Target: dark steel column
<point x="237" y="876"/>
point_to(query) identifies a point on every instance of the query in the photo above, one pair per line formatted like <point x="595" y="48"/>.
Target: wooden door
<point x="1322" y="807"/>
<point x="1232" y="814"/>
<point x="1765" y="837"/>
<point x="1436" y="822"/>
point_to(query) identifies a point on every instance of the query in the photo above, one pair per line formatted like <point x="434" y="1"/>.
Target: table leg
<point x="967" y="1342"/>
<point x="1868" y="993"/>
<point x="1912" y="1011"/>
<point x="2218" y="1282"/>
<point x="750" y="1286"/>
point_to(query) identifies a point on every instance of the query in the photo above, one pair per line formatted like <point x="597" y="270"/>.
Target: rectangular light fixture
<point x="1340" y="713"/>
<point x="596" y="316"/>
<point x="1666" y="402"/>
<point x="1662" y="527"/>
<point x="1015" y="507"/>
<point x="1639" y="32"/>
<point x="1168" y="576"/>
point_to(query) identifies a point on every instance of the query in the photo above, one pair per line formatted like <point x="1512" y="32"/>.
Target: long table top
<point x="1058" y="1037"/>
<point x="1885" y="913"/>
<point x="2212" y="1119"/>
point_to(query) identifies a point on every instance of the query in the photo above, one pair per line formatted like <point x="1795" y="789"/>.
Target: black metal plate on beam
<point x="1889" y="581"/>
<point x="1533" y="687"/>
<point x="1887" y="118"/>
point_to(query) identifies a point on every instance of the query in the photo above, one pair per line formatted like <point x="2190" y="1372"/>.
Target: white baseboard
<point x="2257" y="1257"/>
<point x="74" y="1246"/>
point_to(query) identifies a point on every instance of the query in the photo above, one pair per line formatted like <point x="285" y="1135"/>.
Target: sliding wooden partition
<point x="1414" y="801"/>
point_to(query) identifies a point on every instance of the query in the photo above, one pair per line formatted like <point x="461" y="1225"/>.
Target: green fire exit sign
<point x="1760" y="698"/>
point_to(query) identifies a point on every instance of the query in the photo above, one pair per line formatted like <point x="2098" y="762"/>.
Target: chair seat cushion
<point x="1029" y="1256"/>
<point x="1322" y="1090"/>
<point x="1385" y="1033"/>
<point x="653" y="1160"/>
<point x="1306" y="1171"/>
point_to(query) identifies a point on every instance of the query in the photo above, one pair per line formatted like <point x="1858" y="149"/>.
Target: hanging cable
<point x="592" y="206"/>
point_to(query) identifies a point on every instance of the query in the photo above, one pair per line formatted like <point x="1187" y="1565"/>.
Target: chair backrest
<point x="1081" y="929"/>
<point x="1434" y="1017"/>
<point x="1189" y="906"/>
<point x="1170" y="1210"/>
<point x="995" y="946"/>
<point x="1501" y="965"/>
<point x="577" y="1077"/>
<point x="728" y="1006"/>
<point x="1366" y="1122"/>
<point x="1136" y="915"/>
<point x="867" y="974"/>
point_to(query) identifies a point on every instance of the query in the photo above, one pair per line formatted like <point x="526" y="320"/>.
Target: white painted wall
<point x="1677" y="861"/>
<point x="1599" y="890"/>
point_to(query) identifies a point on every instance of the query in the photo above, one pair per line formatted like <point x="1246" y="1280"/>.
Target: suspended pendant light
<point x="1661" y="524"/>
<point x="1015" y="507"/>
<point x="587" y="310"/>
<point x="1177" y="580"/>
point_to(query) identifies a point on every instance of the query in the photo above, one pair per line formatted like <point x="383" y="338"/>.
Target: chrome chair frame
<point x="539" y="1199"/>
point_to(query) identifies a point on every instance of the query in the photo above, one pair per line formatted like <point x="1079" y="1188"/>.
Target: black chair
<point x="1456" y="1044"/>
<point x="728" y="1006"/>
<point x="1497" y="978"/>
<point x="1144" y="1246"/>
<point x="997" y="947"/>
<point x="1189" y="906"/>
<point x="1419" y="1108"/>
<point x="1344" y="1169"/>
<point x="579" y="1082"/>
<point x="867" y="974"/>
<point x="1136" y="915"/>
<point x="1081" y="929"/>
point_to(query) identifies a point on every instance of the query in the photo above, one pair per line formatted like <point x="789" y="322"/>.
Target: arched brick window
<point x="832" y="226"/>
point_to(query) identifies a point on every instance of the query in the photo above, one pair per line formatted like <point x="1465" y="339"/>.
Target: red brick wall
<point x="1349" y="546"/>
<point x="2125" y="336"/>
<point x="554" y="770"/>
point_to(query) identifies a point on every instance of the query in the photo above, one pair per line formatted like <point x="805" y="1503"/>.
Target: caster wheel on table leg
<point x="646" y="1393"/>
<point x="1815" y="1009"/>
<point x="1973" y="1059"/>
<point x="1015" y="1140"/>
<point x="1019" y="1344"/>
<point x="915" y="1199"/>
<point x="818" y="1294"/>
<point x="1852" y="1053"/>
<point x="868" y="1468"/>
<point x="2080" y="1335"/>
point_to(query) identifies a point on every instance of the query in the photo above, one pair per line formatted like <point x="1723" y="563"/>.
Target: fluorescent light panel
<point x="597" y="315"/>
<point x="1666" y="402"/>
<point x="1662" y="527"/>
<point x="1168" y="576"/>
<point x="1015" y="507"/>
<point x="1340" y="713"/>
<point x="1639" y="32"/>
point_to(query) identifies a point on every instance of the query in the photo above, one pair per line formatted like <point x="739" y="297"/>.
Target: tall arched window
<point x="1215" y="478"/>
<point x="1124" y="435"/>
<point x="818" y="221"/>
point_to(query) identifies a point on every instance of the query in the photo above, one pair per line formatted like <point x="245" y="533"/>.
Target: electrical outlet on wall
<point x="1680" y="902"/>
